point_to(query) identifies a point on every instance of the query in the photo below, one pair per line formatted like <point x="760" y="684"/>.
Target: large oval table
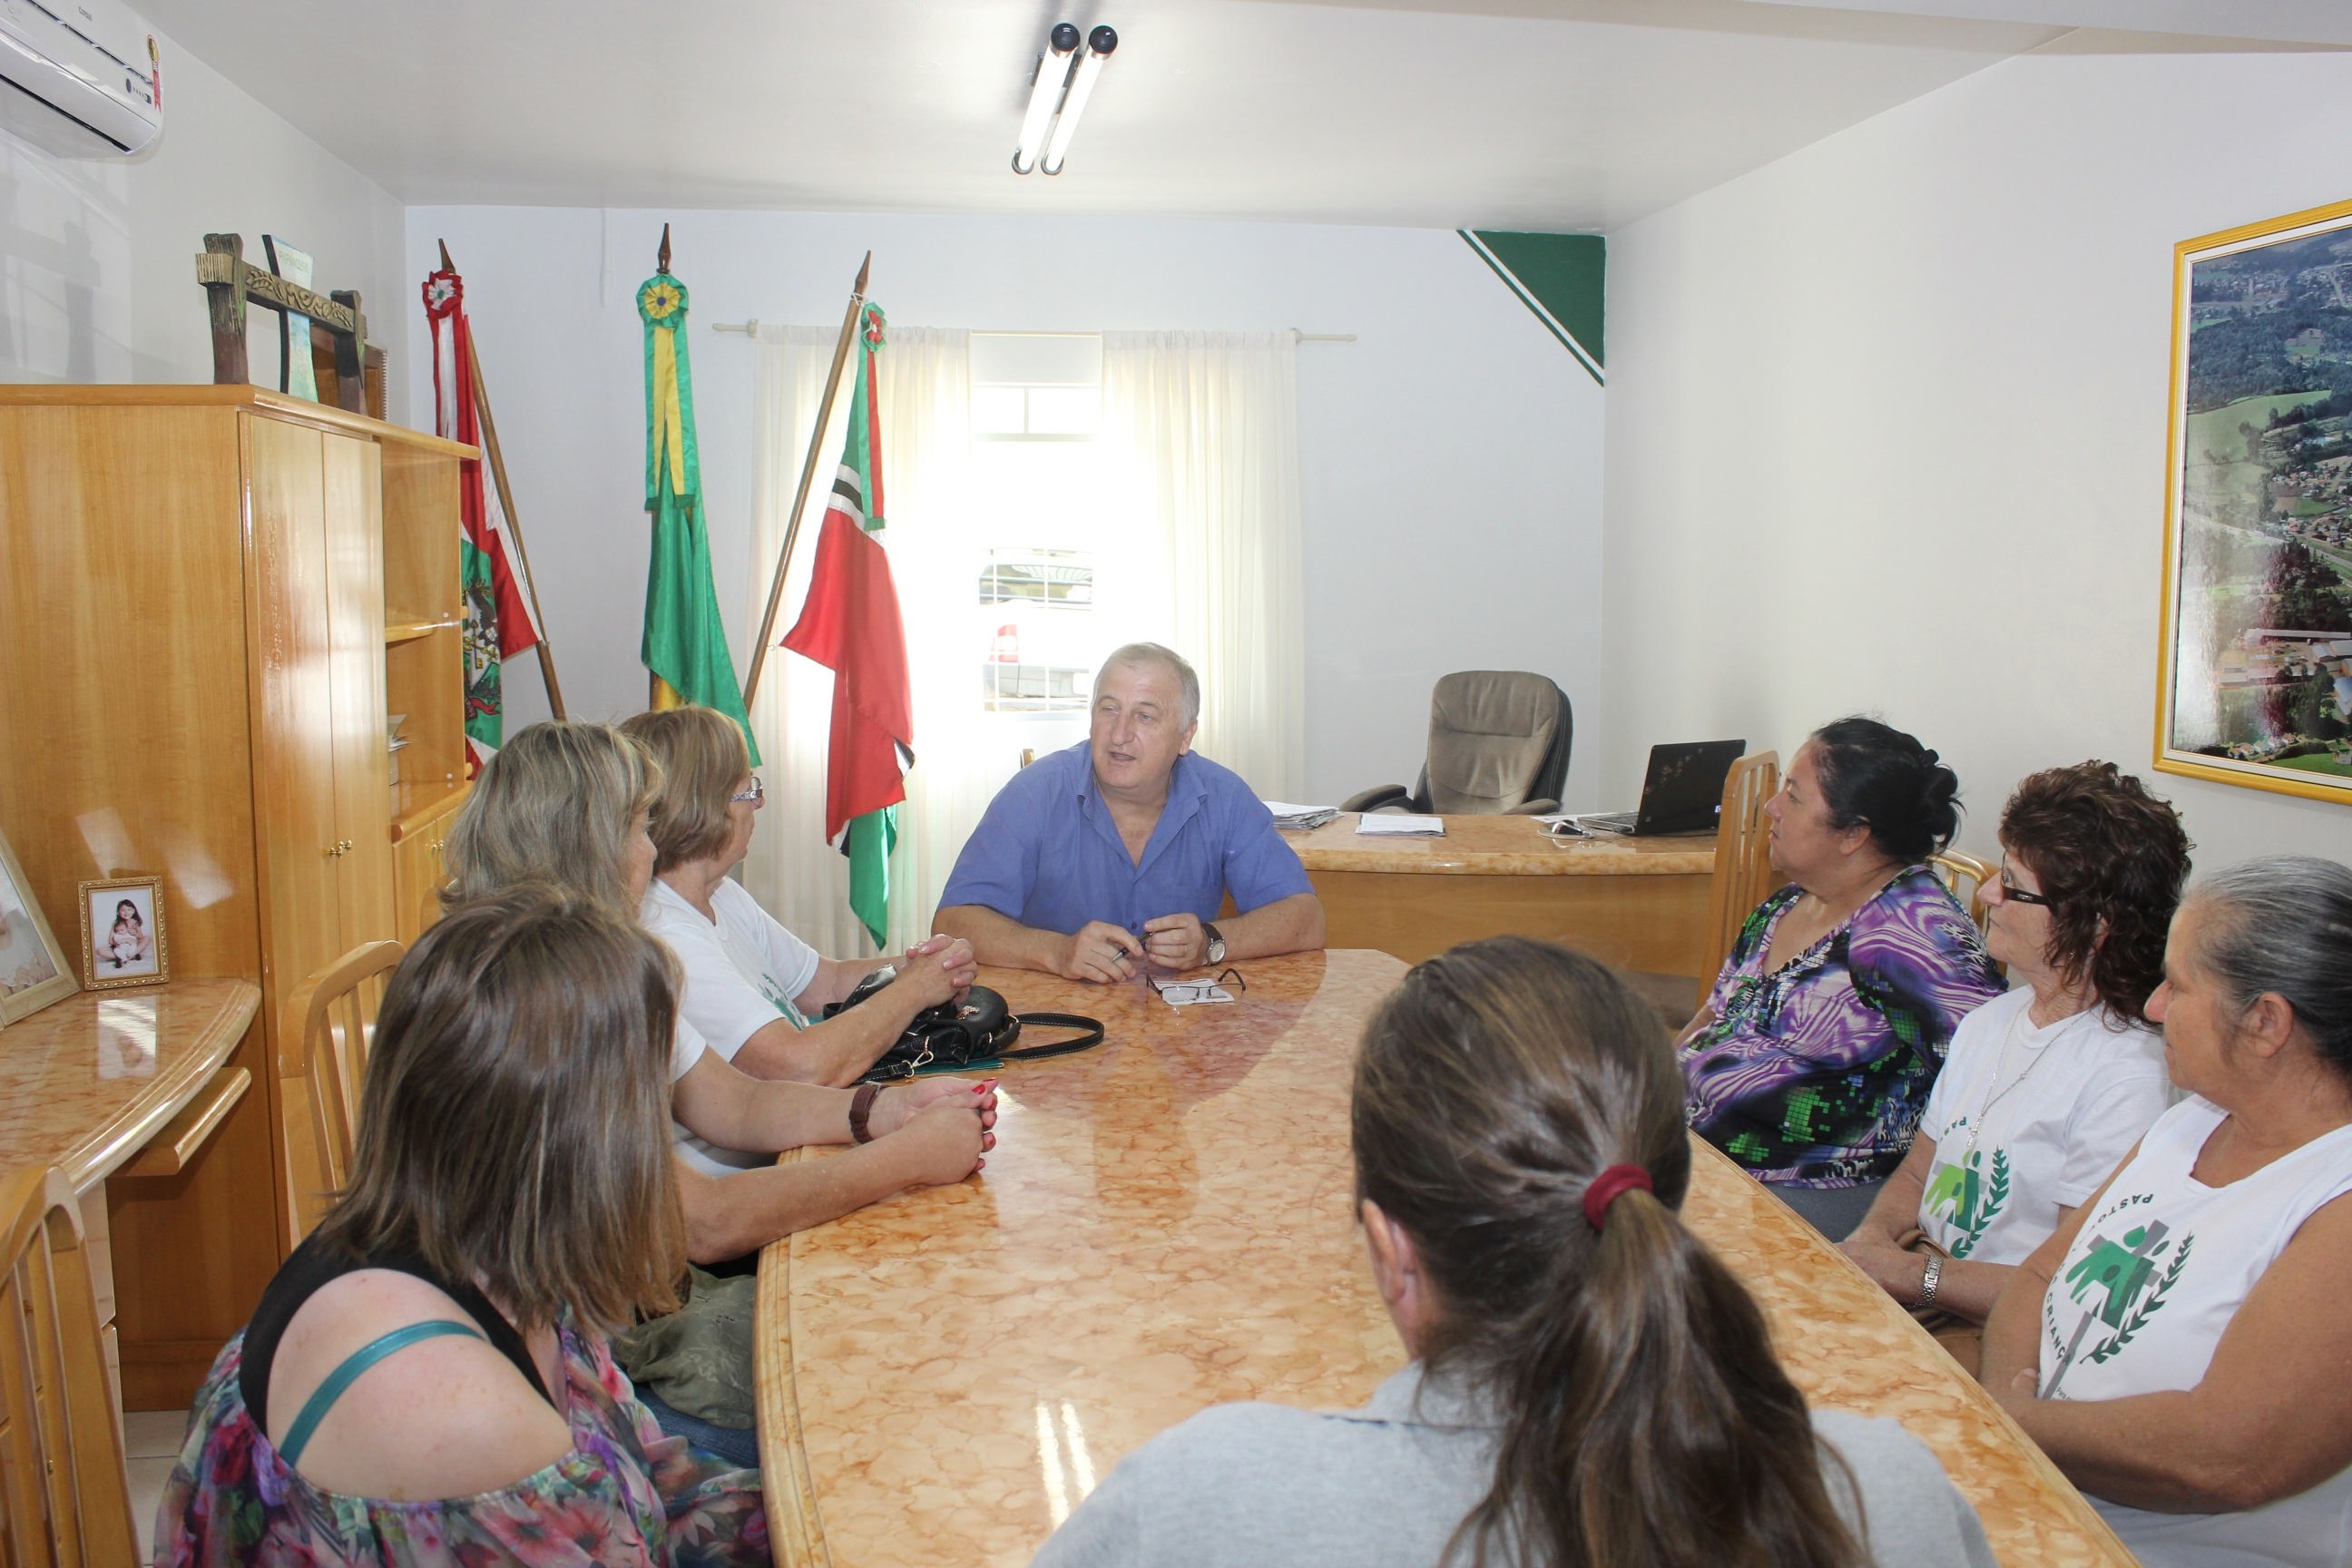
<point x="1167" y="1223"/>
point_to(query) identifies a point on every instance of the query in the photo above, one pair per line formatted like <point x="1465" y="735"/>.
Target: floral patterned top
<point x="1815" y="1074"/>
<point x="626" y="1494"/>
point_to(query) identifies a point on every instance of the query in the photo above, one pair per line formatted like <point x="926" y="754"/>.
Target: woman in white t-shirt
<point x="754" y="990"/>
<point x="2046" y="1088"/>
<point x="2180" y="1346"/>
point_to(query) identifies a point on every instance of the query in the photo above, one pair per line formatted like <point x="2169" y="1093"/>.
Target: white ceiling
<point x="1560" y="115"/>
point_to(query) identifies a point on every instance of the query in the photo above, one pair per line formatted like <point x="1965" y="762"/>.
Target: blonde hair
<point x="553" y="806"/>
<point x="701" y="754"/>
<point x="514" y="1126"/>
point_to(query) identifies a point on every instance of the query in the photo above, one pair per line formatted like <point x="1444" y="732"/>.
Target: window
<point x="1037" y="401"/>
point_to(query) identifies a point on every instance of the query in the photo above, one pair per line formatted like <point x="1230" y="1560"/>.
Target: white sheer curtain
<point x="925" y="446"/>
<point x="1204" y="428"/>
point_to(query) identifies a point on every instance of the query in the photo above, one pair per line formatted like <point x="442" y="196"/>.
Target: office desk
<point x="1640" y="903"/>
<point x="1167" y="1223"/>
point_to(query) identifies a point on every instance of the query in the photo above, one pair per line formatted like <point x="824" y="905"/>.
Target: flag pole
<point x="514" y="527"/>
<point x="808" y="478"/>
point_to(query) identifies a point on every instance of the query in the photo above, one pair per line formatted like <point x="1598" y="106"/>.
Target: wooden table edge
<point x="114" y="1142"/>
<point x="1973" y="1393"/>
<point x="795" y="1524"/>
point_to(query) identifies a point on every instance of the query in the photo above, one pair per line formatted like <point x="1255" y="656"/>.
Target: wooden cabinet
<point x="211" y="598"/>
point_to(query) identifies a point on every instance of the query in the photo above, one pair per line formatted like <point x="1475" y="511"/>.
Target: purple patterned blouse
<point x="1815" y="1074"/>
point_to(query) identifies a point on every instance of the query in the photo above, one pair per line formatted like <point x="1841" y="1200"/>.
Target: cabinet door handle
<point x="342" y="847"/>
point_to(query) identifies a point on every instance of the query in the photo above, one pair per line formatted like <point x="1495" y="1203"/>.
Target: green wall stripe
<point x="1560" y="277"/>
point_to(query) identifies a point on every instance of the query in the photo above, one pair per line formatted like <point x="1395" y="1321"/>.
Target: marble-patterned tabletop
<point x="1499" y="847"/>
<point x="86" y="1081"/>
<point x="1167" y="1223"/>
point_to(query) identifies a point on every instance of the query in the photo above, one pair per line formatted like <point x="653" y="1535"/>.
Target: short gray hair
<point x="2283" y="925"/>
<point x="1168" y="658"/>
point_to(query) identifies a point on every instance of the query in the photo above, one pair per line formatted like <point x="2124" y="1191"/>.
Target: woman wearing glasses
<point x="752" y="986"/>
<point x="2046" y="1088"/>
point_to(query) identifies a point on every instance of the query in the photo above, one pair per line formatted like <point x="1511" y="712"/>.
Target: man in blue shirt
<point x="1119" y="851"/>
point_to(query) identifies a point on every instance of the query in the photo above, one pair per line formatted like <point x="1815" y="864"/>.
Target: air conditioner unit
<point x="78" y="76"/>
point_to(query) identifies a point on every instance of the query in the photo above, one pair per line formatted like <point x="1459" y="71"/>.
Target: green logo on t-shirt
<point x="1961" y="1194"/>
<point x="2117" y="1284"/>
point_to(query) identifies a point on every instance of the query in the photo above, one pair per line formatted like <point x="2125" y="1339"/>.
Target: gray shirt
<point x="1253" y="1484"/>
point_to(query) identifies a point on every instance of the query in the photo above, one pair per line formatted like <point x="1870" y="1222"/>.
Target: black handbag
<point x="981" y="1028"/>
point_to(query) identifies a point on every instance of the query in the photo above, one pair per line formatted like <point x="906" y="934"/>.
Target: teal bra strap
<point x="323" y="1397"/>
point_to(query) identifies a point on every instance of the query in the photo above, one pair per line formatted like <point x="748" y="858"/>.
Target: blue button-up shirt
<point x="1048" y="855"/>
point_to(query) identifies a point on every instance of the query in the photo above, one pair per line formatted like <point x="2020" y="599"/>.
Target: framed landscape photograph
<point x="122" y="933"/>
<point x="33" y="971"/>
<point x="2256" y="664"/>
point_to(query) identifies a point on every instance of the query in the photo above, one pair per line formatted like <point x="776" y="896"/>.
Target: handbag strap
<point x="1091" y="1037"/>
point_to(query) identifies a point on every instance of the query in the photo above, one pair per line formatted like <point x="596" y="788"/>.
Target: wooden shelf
<point x="399" y="626"/>
<point x="418" y="805"/>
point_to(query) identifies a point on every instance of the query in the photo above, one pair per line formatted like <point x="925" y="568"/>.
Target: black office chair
<point x="1498" y="745"/>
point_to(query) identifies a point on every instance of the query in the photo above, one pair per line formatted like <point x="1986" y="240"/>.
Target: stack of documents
<point x="1293" y="818"/>
<point x="1401" y="825"/>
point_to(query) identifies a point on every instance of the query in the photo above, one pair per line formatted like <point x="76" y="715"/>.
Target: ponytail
<point x="1644" y="1420"/>
<point x="1649" y="1422"/>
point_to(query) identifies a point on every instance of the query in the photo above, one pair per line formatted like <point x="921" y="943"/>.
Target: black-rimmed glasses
<point x="2011" y="893"/>
<point x="1186" y="991"/>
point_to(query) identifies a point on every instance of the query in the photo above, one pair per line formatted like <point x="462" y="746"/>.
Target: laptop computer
<point x="1681" y="795"/>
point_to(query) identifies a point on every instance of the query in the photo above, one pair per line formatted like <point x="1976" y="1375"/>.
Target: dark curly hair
<point x="2106" y="853"/>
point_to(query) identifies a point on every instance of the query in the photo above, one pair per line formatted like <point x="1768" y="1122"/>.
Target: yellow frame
<point x="90" y="980"/>
<point x="2192" y="764"/>
<point x="58" y="987"/>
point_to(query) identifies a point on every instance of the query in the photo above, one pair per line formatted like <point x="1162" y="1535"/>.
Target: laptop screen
<point x="1682" y="792"/>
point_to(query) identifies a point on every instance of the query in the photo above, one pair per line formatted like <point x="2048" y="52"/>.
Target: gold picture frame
<point x="2254" y="654"/>
<point x="122" y="937"/>
<point x="33" y="969"/>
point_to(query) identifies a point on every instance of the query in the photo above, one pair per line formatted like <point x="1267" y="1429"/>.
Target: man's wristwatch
<point x="1217" y="942"/>
<point x="1929" y="1278"/>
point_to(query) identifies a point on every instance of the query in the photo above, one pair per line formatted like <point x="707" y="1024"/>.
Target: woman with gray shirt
<point x="1589" y="1384"/>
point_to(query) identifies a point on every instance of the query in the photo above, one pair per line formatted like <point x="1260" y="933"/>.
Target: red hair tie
<point x="1608" y="1187"/>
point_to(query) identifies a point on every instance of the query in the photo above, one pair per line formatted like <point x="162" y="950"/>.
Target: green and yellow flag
<point x="685" y="641"/>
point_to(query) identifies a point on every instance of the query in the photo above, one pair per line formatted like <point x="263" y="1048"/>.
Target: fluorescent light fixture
<point x="1053" y="74"/>
<point x="1099" y="44"/>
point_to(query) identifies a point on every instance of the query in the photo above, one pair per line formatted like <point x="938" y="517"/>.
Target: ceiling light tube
<point x="1099" y="44"/>
<point x="1053" y="76"/>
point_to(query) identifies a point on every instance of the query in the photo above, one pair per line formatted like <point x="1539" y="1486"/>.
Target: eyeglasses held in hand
<point x="755" y="794"/>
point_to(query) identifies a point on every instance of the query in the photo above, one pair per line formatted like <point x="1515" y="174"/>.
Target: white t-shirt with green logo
<point x="2156" y="1272"/>
<point x="743" y="971"/>
<point x="2079" y="1093"/>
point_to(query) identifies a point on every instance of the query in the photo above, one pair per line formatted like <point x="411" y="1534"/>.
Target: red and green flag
<point x="498" y="622"/>
<point x="851" y="625"/>
<point x="684" y="640"/>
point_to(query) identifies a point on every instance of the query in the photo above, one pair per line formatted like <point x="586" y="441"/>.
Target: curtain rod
<point x="751" y="328"/>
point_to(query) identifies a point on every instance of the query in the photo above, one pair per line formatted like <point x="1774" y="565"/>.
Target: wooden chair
<point x="65" y="1496"/>
<point x="332" y="1022"/>
<point x="1743" y="867"/>
<point x="1966" y="876"/>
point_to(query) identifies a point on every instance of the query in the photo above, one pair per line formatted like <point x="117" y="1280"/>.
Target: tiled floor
<point x="151" y="1441"/>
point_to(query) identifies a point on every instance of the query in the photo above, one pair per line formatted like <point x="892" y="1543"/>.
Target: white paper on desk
<point x="1290" y="808"/>
<point x="1401" y="825"/>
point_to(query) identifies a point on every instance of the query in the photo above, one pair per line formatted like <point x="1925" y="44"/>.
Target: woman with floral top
<point x="2048" y="1086"/>
<point x="425" y="1380"/>
<point x="1810" y="1062"/>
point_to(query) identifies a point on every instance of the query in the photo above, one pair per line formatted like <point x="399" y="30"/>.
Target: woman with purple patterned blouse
<point x="1810" y="1062"/>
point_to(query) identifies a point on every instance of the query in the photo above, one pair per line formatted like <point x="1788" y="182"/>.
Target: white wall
<point x="1887" y="423"/>
<point x="98" y="272"/>
<point x="1453" y="416"/>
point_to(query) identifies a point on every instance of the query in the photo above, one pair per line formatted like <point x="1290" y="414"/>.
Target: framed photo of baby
<point x="33" y="971"/>
<point x="122" y="933"/>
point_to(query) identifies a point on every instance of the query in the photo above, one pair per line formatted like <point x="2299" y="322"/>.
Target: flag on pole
<point x="685" y="642"/>
<point x="498" y="623"/>
<point x="851" y="624"/>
